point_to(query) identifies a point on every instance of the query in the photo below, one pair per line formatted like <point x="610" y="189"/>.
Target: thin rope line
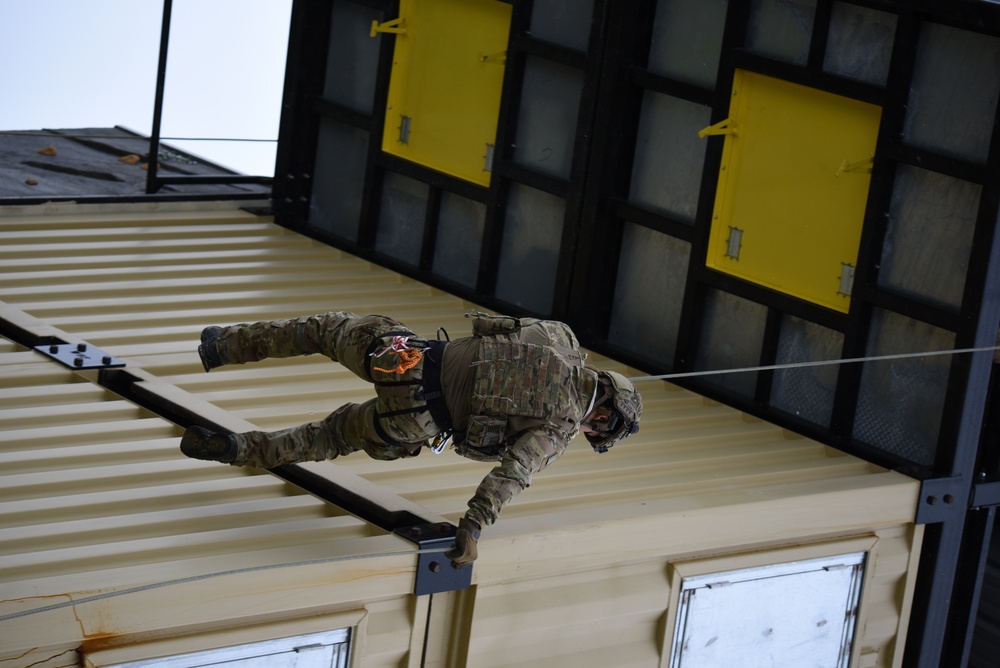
<point x="799" y="365"/>
<point x="139" y="137"/>
<point x="208" y="576"/>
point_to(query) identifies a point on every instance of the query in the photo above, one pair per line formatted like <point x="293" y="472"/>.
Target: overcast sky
<point x="92" y="63"/>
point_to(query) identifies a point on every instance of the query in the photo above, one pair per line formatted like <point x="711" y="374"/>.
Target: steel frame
<point x="960" y="489"/>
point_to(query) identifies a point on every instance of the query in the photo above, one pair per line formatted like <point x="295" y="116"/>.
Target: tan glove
<point x="464" y="552"/>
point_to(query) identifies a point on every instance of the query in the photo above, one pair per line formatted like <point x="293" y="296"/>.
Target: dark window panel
<point x="859" y="44"/>
<point x="781" y="29"/>
<point x="732" y="334"/>
<point x="669" y="155"/>
<point x="402" y="215"/>
<point x="953" y="98"/>
<point x="565" y="22"/>
<point x="649" y="291"/>
<point x="546" y="125"/>
<point x="338" y="179"/>
<point x="687" y="40"/>
<point x="352" y="61"/>
<point x="529" y="254"/>
<point x="459" y="239"/>
<point x="929" y="236"/>
<point x="900" y="402"/>
<point x="806" y="392"/>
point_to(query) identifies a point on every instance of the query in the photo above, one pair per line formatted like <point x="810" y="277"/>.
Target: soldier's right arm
<point x="534" y="449"/>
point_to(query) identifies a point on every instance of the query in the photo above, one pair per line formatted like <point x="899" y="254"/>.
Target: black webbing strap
<point x="430" y="392"/>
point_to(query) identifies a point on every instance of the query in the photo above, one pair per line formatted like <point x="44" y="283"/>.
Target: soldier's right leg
<point x="343" y="337"/>
<point x="346" y="430"/>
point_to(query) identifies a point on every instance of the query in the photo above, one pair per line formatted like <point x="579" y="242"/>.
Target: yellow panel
<point x="792" y="188"/>
<point x="444" y="93"/>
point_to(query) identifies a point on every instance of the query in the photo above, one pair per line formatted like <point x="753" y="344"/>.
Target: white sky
<point x="92" y="63"/>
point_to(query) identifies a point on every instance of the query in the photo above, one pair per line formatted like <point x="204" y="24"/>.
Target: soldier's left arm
<point x="534" y="449"/>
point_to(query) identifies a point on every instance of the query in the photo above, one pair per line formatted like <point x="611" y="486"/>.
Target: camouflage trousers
<point x="381" y="427"/>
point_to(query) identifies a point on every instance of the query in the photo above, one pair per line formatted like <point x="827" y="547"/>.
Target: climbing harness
<point x="411" y="350"/>
<point x="408" y="357"/>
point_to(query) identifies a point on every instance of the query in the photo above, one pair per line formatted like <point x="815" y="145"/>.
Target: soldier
<point x="515" y="392"/>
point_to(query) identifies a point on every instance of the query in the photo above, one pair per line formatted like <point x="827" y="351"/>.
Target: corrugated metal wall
<point x="93" y="484"/>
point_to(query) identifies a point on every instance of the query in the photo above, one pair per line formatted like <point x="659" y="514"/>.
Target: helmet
<point x="625" y="404"/>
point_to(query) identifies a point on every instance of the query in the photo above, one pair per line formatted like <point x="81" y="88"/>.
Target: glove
<point x="464" y="552"/>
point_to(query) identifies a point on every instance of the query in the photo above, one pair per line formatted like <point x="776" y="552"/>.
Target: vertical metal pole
<point x="152" y="185"/>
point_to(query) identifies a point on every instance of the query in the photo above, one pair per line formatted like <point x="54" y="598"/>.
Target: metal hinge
<point x="404" y="129"/>
<point x="734" y="243"/>
<point x="846" y="279"/>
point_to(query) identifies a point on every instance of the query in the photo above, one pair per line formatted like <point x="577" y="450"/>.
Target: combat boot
<point x="207" y="351"/>
<point x="200" y="443"/>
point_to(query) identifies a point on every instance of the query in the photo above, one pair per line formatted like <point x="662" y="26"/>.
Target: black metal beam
<point x="152" y="182"/>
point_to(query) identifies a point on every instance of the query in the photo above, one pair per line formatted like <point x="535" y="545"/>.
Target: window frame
<point x="353" y="622"/>
<point x="698" y="569"/>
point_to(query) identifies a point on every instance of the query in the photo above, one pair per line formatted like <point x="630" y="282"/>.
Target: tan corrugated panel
<point x="612" y="617"/>
<point x="699" y="478"/>
<point x="96" y="499"/>
<point x="89" y="481"/>
<point x="152" y="282"/>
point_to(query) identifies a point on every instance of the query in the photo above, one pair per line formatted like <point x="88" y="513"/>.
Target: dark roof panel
<point x="89" y="162"/>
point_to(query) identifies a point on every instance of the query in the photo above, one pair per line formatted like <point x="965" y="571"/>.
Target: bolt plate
<point x="942" y="499"/>
<point x="435" y="574"/>
<point x="80" y="356"/>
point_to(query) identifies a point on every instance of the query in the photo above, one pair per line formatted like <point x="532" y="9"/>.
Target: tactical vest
<point x="520" y="379"/>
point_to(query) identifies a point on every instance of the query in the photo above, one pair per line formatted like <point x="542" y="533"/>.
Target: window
<point x="323" y="641"/>
<point x="799" y="613"/>
<point x="328" y="649"/>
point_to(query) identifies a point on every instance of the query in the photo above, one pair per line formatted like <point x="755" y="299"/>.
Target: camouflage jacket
<point x="516" y="397"/>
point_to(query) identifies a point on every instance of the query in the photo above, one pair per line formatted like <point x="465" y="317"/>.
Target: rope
<point x="800" y="365"/>
<point x="209" y="576"/>
<point x="52" y="135"/>
<point x="408" y="359"/>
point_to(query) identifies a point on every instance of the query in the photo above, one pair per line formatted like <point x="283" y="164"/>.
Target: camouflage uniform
<point x="516" y="394"/>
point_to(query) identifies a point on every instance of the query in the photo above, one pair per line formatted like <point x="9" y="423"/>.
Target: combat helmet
<point x="625" y="403"/>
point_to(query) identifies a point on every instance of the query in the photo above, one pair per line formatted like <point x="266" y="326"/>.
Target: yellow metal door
<point x="792" y="188"/>
<point x="444" y="92"/>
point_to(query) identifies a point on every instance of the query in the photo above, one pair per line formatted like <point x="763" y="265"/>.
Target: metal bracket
<point x="986" y="494"/>
<point x="396" y="26"/>
<point x="435" y="574"/>
<point x="941" y="499"/>
<point x="726" y="127"/>
<point x="858" y="167"/>
<point x="80" y="356"/>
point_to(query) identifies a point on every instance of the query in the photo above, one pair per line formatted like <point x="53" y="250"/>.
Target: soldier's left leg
<point x="346" y="430"/>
